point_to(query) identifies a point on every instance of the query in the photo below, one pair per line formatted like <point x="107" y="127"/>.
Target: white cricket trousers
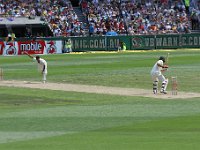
<point x="158" y="77"/>
<point x="44" y="76"/>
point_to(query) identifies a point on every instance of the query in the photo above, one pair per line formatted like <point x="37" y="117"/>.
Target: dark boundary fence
<point x="137" y="42"/>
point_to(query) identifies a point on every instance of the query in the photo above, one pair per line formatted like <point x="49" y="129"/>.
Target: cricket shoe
<point x="163" y="92"/>
<point x="155" y="91"/>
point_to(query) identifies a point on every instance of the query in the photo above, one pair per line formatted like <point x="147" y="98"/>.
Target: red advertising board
<point x="32" y="47"/>
<point x="2" y="45"/>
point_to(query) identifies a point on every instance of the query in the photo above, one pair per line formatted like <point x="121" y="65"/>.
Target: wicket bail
<point x="1" y="74"/>
<point x="174" y="85"/>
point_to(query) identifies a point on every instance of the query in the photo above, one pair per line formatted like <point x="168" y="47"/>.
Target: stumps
<point x="174" y="85"/>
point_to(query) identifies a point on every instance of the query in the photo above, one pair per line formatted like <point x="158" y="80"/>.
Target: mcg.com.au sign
<point x="98" y="43"/>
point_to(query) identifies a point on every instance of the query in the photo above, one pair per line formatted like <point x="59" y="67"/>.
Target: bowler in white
<point x="42" y="66"/>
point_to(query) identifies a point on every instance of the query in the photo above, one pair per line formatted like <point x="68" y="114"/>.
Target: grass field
<point x="33" y="119"/>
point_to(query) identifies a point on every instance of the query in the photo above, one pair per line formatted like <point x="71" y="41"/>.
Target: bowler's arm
<point x="28" y="55"/>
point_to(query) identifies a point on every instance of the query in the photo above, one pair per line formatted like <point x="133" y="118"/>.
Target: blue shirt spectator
<point x="91" y="29"/>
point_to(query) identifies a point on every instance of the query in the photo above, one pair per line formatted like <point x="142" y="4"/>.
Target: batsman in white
<point x="42" y="65"/>
<point x="156" y="74"/>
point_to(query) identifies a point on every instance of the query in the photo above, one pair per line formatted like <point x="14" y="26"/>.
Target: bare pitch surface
<point x="98" y="89"/>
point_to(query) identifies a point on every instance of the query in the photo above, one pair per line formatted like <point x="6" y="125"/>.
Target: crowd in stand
<point x="104" y="16"/>
<point x="63" y="20"/>
<point x="10" y="9"/>
<point x="124" y="17"/>
<point x="165" y="16"/>
<point x="58" y="14"/>
<point x="194" y="10"/>
<point x="137" y="17"/>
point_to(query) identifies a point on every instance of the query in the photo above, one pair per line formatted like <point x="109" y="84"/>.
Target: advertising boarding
<point x="36" y="47"/>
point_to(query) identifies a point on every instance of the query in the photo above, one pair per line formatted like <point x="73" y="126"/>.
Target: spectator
<point x="68" y="46"/>
<point x="111" y="33"/>
<point x="122" y="46"/>
<point x="91" y="29"/>
<point x="11" y="37"/>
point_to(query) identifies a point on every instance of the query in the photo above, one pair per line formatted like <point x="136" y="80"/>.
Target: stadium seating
<point x="138" y="17"/>
<point x="124" y="17"/>
<point x="104" y="16"/>
<point x="194" y="10"/>
<point x="57" y="14"/>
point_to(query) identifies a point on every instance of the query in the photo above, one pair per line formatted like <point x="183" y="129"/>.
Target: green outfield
<point x="33" y="119"/>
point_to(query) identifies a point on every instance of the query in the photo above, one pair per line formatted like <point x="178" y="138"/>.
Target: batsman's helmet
<point x="162" y="58"/>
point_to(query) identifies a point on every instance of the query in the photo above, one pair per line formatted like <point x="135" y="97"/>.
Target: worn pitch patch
<point x="98" y="89"/>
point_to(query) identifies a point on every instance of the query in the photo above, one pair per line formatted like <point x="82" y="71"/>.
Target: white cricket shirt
<point x="41" y="64"/>
<point x="156" y="70"/>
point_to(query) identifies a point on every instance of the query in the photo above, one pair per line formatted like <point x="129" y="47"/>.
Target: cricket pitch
<point x="98" y="89"/>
